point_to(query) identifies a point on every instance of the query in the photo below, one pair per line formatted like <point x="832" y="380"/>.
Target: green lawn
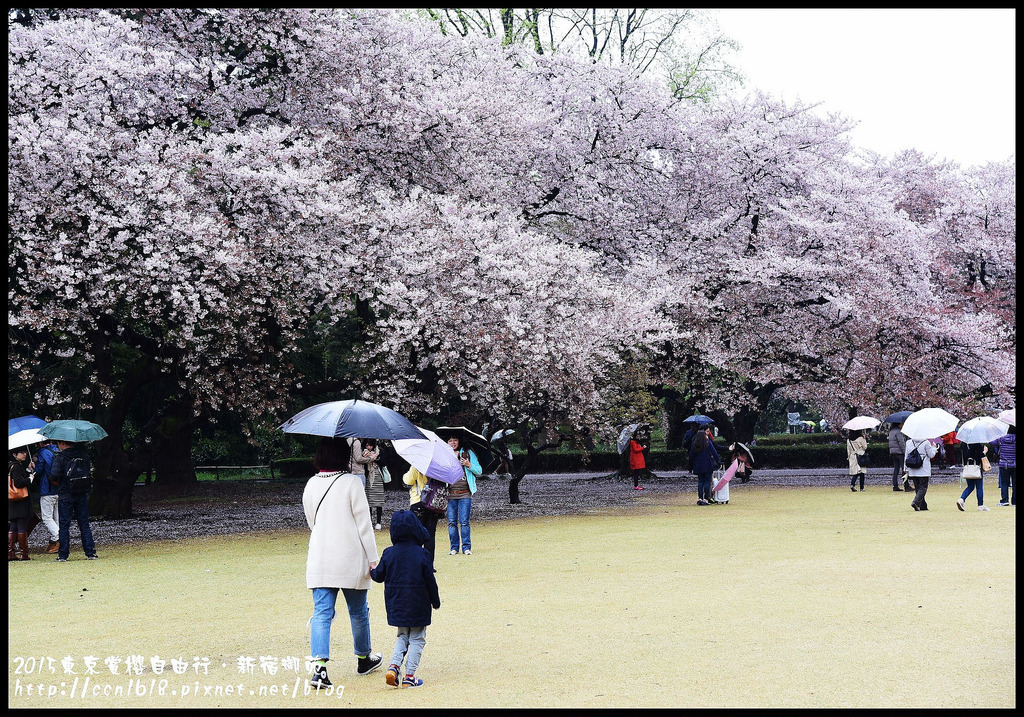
<point x="786" y="597"/>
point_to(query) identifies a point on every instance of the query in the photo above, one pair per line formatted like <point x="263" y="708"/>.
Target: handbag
<point x="434" y="495"/>
<point x="971" y="470"/>
<point x="12" y="492"/>
<point x="385" y="474"/>
<point x="863" y="459"/>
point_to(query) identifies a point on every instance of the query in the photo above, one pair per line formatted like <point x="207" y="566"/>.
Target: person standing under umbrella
<point x="922" y="473"/>
<point x="342" y="551"/>
<point x="71" y="470"/>
<point x="374" y="480"/>
<point x="636" y="461"/>
<point x="897" y="447"/>
<point x="972" y="453"/>
<point x="19" y="509"/>
<point x="417" y="482"/>
<point x="856" y="445"/>
<point x="1006" y="449"/>
<point x="460" y="499"/>
<point x="704" y="459"/>
<point x="48" y="495"/>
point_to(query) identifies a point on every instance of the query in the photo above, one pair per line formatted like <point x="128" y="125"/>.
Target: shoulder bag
<point x="434" y="495"/>
<point x="12" y="492"/>
<point x="971" y="470"/>
<point x="863" y="459"/>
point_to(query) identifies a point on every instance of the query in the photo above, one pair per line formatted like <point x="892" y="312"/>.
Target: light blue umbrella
<point x="351" y="419"/>
<point x="73" y="431"/>
<point x="23" y="423"/>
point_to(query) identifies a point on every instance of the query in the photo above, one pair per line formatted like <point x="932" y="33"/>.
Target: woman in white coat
<point x="342" y="550"/>
<point x="922" y="473"/>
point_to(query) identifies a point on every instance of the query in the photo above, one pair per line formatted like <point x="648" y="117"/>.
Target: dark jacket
<point x="706" y="460"/>
<point x="407" y="571"/>
<point x="61" y="463"/>
<point x="18" y="508"/>
<point x="973" y="452"/>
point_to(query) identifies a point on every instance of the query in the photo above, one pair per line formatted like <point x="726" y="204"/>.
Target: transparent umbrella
<point x="929" y="423"/>
<point x="860" y="423"/>
<point x="981" y="430"/>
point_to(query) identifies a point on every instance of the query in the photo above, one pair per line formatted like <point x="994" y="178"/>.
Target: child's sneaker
<point x="411" y="681"/>
<point x="319" y="678"/>
<point x="369" y="663"/>
<point x="391" y="677"/>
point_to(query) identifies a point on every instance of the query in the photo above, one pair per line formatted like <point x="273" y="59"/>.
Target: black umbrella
<point x="898" y="417"/>
<point x="467" y="439"/>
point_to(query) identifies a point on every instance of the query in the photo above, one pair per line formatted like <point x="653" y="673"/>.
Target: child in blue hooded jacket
<point x="410" y="591"/>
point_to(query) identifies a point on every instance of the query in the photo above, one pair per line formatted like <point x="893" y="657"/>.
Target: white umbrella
<point x="929" y="423"/>
<point x="28" y="437"/>
<point x="431" y="456"/>
<point x="981" y="430"/>
<point x="1009" y="416"/>
<point x="859" y="423"/>
<point x="625" y="435"/>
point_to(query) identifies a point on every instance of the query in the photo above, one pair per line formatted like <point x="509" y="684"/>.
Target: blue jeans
<point x="409" y="647"/>
<point x="704" y="486"/>
<point x="324" y="600"/>
<point x="458" y="517"/>
<point x="1008" y="481"/>
<point x="974" y="484"/>
<point x="74" y="505"/>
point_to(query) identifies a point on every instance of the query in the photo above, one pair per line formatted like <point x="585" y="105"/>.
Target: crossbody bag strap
<point x="317" y="511"/>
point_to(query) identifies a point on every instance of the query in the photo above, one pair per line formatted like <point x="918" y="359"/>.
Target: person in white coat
<point x="921" y="474"/>
<point x="342" y="551"/>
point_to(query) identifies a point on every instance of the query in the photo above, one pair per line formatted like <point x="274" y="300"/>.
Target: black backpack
<point x="914" y="459"/>
<point x="78" y="475"/>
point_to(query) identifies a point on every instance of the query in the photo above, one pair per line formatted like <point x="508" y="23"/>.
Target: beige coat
<point x="857" y="448"/>
<point x="341" y="542"/>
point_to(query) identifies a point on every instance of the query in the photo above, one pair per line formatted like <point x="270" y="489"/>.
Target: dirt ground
<point x="238" y="507"/>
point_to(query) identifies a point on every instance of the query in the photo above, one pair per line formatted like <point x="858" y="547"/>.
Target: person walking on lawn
<point x="410" y="591"/>
<point x="342" y="551"/>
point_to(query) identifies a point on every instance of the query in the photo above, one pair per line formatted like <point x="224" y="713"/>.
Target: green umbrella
<point x="73" y="431"/>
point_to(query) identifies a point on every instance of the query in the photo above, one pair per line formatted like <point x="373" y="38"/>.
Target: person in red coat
<point x="636" y="462"/>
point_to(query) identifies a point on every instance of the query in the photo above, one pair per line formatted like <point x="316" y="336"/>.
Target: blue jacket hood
<point x="407" y="528"/>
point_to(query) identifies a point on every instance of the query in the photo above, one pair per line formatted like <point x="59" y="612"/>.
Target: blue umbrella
<point x="23" y="423"/>
<point x="352" y="419"/>
<point x="898" y="417"/>
<point x="699" y="419"/>
<point x="73" y="431"/>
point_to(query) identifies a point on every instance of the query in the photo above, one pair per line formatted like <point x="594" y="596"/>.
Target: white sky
<point x="940" y="81"/>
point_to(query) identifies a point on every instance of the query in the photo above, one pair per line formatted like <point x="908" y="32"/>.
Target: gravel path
<point x="237" y="507"/>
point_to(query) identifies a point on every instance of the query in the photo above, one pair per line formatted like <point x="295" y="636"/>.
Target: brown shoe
<point x="53" y="547"/>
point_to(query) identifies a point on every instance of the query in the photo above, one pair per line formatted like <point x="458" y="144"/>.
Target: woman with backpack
<point x="918" y="461"/>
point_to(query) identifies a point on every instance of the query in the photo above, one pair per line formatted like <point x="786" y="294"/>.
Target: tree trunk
<point x="676" y="409"/>
<point x="173" y="460"/>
